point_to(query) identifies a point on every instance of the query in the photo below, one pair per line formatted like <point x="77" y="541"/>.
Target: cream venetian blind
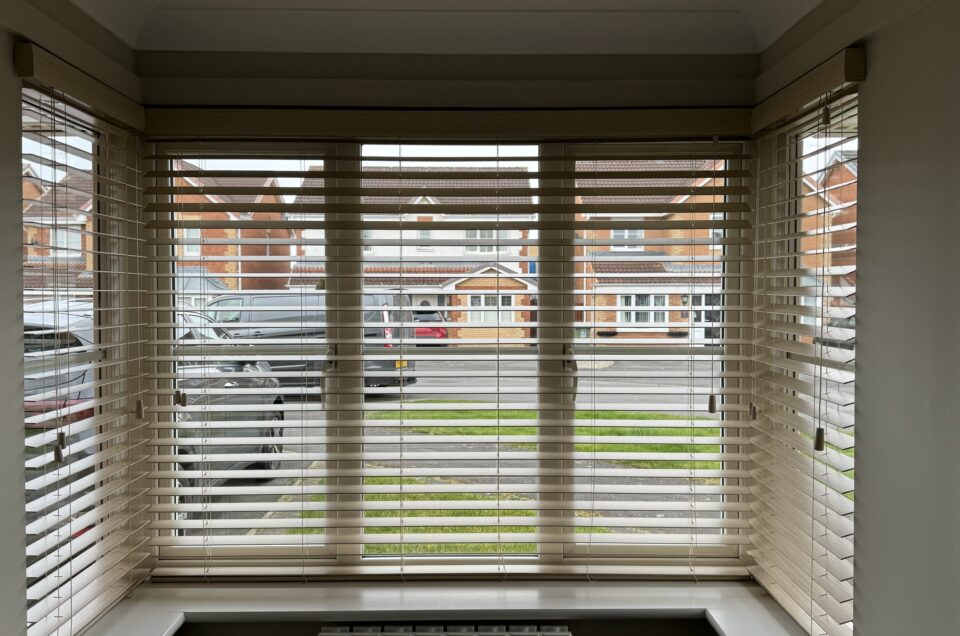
<point x="803" y="487"/>
<point x="85" y="435"/>
<point x="456" y="359"/>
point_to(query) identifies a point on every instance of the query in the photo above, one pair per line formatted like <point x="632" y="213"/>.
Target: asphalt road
<point x="620" y="382"/>
<point x="461" y="379"/>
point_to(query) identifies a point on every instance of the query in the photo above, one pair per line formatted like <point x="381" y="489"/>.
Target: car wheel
<point x="273" y="447"/>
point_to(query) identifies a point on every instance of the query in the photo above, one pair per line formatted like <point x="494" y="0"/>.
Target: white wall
<point x="12" y="537"/>
<point x="908" y="313"/>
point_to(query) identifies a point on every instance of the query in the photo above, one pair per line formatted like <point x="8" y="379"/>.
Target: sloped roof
<point x="650" y="165"/>
<point x="226" y="182"/>
<point x="407" y="178"/>
<point x="69" y="196"/>
<point x="41" y="275"/>
<point x="659" y="273"/>
<point x="428" y="275"/>
<point x="196" y="278"/>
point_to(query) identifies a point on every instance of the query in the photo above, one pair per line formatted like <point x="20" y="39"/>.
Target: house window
<point x="191" y="249"/>
<point x="491" y="315"/>
<point x="313" y="242"/>
<point x="626" y="235"/>
<point x="491" y="247"/>
<point x="82" y="537"/>
<point x="423" y="237"/>
<point x="716" y="233"/>
<point x="710" y="315"/>
<point x="628" y="313"/>
<point x="67" y="242"/>
<point x="367" y="235"/>
<point x="499" y="360"/>
<point x="708" y="300"/>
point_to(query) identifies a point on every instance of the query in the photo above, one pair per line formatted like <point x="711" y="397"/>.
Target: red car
<point x="430" y="331"/>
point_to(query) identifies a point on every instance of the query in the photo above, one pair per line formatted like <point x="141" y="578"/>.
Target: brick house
<point x="57" y="225"/>
<point x="427" y="269"/>
<point x="620" y="290"/>
<point x="229" y="246"/>
<point x="490" y="285"/>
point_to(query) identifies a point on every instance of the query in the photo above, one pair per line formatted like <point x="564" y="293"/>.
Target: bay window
<point x="259" y="395"/>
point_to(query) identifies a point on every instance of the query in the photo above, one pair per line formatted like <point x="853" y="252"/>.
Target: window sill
<point x="733" y="608"/>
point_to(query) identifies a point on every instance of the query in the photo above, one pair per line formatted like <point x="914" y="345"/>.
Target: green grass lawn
<point x="500" y="425"/>
<point x="444" y="548"/>
<point x="506" y="430"/>
<point x="484" y="548"/>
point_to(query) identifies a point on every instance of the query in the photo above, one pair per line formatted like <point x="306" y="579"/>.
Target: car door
<point x="220" y="390"/>
<point x="298" y="318"/>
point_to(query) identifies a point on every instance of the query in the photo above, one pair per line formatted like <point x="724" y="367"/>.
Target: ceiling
<point x="451" y="26"/>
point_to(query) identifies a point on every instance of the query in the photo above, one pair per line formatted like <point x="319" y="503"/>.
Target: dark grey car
<point x="256" y="316"/>
<point x="217" y="383"/>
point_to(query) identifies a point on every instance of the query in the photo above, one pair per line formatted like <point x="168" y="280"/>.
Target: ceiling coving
<point x="518" y="27"/>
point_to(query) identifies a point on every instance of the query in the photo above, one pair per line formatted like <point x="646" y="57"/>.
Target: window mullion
<point x="343" y="393"/>
<point x="556" y="368"/>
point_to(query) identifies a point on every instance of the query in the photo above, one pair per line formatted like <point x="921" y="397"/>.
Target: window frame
<point x="341" y="554"/>
<point x="73" y="247"/>
<point x="633" y="234"/>
<point x="500" y="315"/>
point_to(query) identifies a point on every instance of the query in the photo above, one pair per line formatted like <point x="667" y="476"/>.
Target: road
<point x="462" y="380"/>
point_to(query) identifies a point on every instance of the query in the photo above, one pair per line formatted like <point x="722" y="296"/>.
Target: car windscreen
<point x="287" y="308"/>
<point x="37" y="338"/>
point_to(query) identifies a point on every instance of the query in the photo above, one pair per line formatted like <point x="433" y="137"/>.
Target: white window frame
<point x="424" y="234"/>
<point x="716" y="232"/>
<point x="492" y="316"/>
<point x="632" y="234"/>
<point x="313" y="250"/>
<point x="192" y="250"/>
<point x="345" y="553"/>
<point x="629" y="309"/>
<point x="485" y="234"/>
<point x="67" y="241"/>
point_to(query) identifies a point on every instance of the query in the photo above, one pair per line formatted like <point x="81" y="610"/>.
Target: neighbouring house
<point x="56" y="231"/>
<point x="628" y="275"/>
<point x="224" y="255"/>
<point x="654" y="283"/>
<point x="451" y="269"/>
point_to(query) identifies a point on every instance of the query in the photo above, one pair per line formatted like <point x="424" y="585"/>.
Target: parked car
<point x="432" y="331"/>
<point x="259" y="316"/>
<point x="195" y="377"/>
<point x="65" y="329"/>
<point x="56" y="374"/>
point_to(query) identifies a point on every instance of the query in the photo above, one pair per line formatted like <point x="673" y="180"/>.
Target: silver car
<point x="68" y="326"/>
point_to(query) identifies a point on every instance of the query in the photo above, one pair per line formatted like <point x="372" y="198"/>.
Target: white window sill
<point x="733" y="608"/>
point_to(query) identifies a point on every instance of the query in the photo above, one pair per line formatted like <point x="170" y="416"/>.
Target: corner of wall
<point x="12" y="535"/>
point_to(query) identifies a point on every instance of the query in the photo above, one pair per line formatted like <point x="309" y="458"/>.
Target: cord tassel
<point x="712" y="403"/>
<point x="140" y="411"/>
<point x="819" y="440"/>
